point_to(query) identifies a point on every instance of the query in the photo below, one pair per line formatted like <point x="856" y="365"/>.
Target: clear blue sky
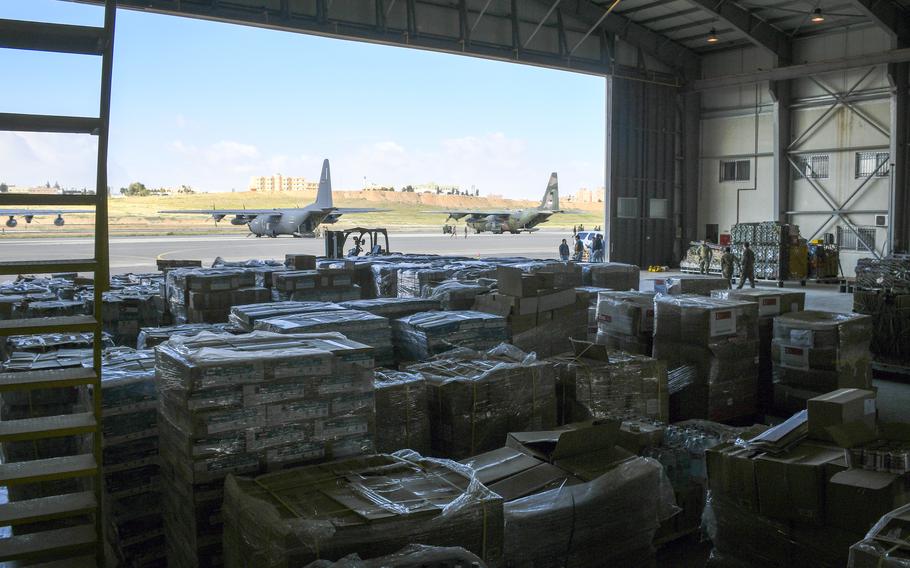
<point x="209" y="105"/>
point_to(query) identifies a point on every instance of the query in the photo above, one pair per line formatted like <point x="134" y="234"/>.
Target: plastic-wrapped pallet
<point x="411" y="281"/>
<point x="456" y="294"/>
<point x="743" y="538"/>
<point x="133" y="512"/>
<point x="720" y="339"/>
<point x="625" y="321"/>
<point x="245" y="317"/>
<point x="373" y="505"/>
<point x="698" y="284"/>
<point x="402" y="412"/>
<point x="246" y="405"/>
<point x="362" y="327"/>
<point x="205" y="295"/>
<point x="567" y="526"/>
<point x="393" y="308"/>
<point x="49" y="342"/>
<point x="822" y="351"/>
<point x="150" y="337"/>
<point x="420" y="336"/>
<point x="321" y="285"/>
<point x="126" y="310"/>
<point x="613" y="275"/>
<point x="627" y="385"/>
<point x="476" y="399"/>
<point x="411" y="556"/>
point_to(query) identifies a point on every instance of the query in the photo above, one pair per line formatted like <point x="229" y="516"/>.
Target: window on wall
<point x="627" y="207"/>
<point x="657" y="208"/>
<point x="863" y="240"/>
<point x="868" y="163"/>
<point x="813" y="166"/>
<point x="735" y="170"/>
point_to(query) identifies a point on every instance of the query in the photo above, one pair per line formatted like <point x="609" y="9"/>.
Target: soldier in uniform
<point x="727" y="263"/>
<point x="705" y="253"/>
<point x="747" y="268"/>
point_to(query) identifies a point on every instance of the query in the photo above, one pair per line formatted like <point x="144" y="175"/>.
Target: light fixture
<point x="712" y="36"/>
<point x="817" y="16"/>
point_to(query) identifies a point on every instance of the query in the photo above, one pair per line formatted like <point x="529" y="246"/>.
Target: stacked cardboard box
<point x="457" y="294"/>
<point x="245" y="317"/>
<point x="126" y="311"/>
<point x="771" y="303"/>
<point x="556" y="486"/>
<point x="205" y="295"/>
<point x="719" y="338"/>
<point x="890" y="310"/>
<point x="419" y="336"/>
<point x="372" y="505"/>
<point x="588" y="295"/>
<point x="362" y="327"/>
<point x="624" y="386"/>
<point x="134" y="523"/>
<point x="54" y="308"/>
<point x="393" y="308"/>
<point x="804" y="505"/>
<point x="411" y="556"/>
<point x="698" y="284"/>
<point x="412" y="281"/>
<point x="885" y="546"/>
<point x="625" y="321"/>
<point x="475" y="399"/>
<point x="150" y="337"/>
<point x="612" y="275"/>
<point x="815" y="352"/>
<point x="542" y="313"/>
<point x="48" y="343"/>
<point x="402" y="412"/>
<point x="249" y="404"/>
<point x="322" y="285"/>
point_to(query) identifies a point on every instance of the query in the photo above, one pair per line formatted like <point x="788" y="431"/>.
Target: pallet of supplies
<point x="402" y="412"/>
<point x="625" y="321"/>
<point x="420" y="336"/>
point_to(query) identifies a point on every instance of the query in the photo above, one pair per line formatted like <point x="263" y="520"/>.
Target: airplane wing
<point x="24" y="212"/>
<point x="464" y="212"/>
<point x="344" y="210"/>
<point x="226" y="212"/>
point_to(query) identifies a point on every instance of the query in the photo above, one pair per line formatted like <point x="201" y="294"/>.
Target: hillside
<point x="405" y="211"/>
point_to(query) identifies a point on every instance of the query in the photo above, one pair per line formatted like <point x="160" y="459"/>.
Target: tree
<point x="3" y="187"/>
<point x="186" y="190"/>
<point x="135" y="189"/>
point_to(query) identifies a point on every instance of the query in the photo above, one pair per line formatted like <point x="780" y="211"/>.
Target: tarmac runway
<point x="138" y="254"/>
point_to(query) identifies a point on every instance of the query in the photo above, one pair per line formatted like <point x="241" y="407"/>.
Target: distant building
<point x="279" y="183"/>
<point x="441" y="189"/>
<point x="585" y="195"/>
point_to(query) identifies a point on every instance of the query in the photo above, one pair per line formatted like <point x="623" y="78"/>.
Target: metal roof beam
<point x="685" y="61"/>
<point x="759" y="32"/>
<point x="889" y="17"/>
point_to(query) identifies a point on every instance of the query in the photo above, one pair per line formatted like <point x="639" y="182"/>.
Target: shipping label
<point x="723" y="322"/>
<point x="794" y="356"/>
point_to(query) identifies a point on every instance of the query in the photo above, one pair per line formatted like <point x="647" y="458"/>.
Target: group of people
<point x="578" y="250"/>
<point x="728" y="262"/>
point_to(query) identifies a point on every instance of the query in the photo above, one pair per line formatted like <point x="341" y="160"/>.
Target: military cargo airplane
<point x="29" y="214"/>
<point x="515" y="221"/>
<point x="297" y="222"/>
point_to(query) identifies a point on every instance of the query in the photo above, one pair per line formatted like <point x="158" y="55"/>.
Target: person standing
<point x="727" y="262"/>
<point x="564" y="251"/>
<point x="574" y="230"/>
<point x="705" y="253"/>
<point x="747" y="268"/>
<point x="597" y="249"/>
<point x="465" y="231"/>
<point x="579" y="248"/>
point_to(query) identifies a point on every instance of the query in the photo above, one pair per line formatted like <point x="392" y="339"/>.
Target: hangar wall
<point x="839" y="122"/>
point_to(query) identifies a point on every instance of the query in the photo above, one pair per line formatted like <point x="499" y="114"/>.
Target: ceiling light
<point x="817" y="16"/>
<point x="712" y="36"/>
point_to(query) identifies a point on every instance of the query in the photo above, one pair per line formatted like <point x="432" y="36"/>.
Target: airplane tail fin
<point x="324" y="194"/>
<point x="550" y="201"/>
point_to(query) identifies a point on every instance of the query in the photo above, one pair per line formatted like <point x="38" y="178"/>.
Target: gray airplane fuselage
<point x="514" y="223"/>
<point x="294" y="222"/>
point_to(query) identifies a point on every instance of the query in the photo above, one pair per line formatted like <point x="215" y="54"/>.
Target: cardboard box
<point x="731" y="472"/>
<point x="791" y="486"/>
<point x="516" y="282"/>
<point x="586" y="450"/>
<point x="556" y="300"/>
<point x="857" y="498"/>
<point x="840" y="407"/>
<point x="512" y="474"/>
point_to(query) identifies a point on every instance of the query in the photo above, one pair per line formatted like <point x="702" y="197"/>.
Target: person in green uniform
<point x="705" y="253"/>
<point x="727" y="263"/>
<point x="747" y="268"/>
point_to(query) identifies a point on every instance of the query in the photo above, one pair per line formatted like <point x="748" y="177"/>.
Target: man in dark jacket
<point x="747" y="268"/>
<point x="564" y="251"/>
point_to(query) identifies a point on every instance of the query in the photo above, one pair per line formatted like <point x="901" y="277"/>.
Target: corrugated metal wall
<point x="641" y="163"/>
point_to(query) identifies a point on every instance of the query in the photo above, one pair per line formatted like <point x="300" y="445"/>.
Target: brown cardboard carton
<point x="840" y="407"/>
<point x="792" y="486"/>
<point x="556" y="300"/>
<point x="515" y="282"/>
<point x="857" y="498"/>
<point x="501" y="463"/>
<point x="731" y="472"/>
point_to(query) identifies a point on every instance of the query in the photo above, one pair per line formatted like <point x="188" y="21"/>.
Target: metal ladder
<point x="79" y="545"/>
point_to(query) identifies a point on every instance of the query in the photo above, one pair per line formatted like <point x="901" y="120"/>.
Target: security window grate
<point x="657" y="208"/>
<point x="813" y="166"/>
<point x="627" y="207"/>
<point x="848" y="240"/>
<point x="868" y="163"/>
